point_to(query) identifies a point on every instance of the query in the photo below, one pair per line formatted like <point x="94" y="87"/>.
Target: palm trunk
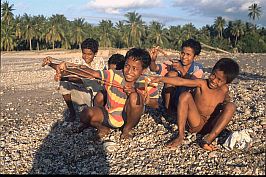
<point x="30" y="45"/>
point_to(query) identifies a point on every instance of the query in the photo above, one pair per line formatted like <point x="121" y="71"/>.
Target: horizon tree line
<point x="28" y="32"/>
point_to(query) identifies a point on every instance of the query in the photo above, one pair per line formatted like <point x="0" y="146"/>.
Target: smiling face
<point x="187" y="56"/>
<point x="132" y="69"/>
<point x="216" y="79"/>
<point x="88" y="55"/>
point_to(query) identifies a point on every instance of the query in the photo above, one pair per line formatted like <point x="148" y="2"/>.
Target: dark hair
<point x="90" y="43"/>
<point x="140" y="54"/>
<point x="229" y="67"/>
<point x="118" y="60"/>
<point x="195" y="45"/>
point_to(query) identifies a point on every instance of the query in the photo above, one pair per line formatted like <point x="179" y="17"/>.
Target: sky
<point x="167" y="12"/>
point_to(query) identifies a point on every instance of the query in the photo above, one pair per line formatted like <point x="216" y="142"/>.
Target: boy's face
<point x="87" y="55"/>
<point x="216" y="79"/>
<point x="187" y="56"/>
<point x="132" y="69"/>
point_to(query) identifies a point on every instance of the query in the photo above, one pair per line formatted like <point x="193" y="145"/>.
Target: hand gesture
<point x="154" y="53"/>
<point x="59" y="70"/>
<point x="46" y="61"/>
<point x="176" y="65"/>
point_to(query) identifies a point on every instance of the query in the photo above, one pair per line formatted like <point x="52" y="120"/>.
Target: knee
<point x="185" y="96"/>
<point x="86" y="115"/>
<point x="135" y="100"/>
<point x="99" y="99"/>
<point x="230" y="107"/>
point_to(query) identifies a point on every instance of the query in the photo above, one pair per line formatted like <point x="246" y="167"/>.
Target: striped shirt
<point x="116" y="97"/>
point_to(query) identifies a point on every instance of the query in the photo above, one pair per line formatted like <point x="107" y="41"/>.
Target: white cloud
<point x="229" y="9"/>
<point x="115" y="6"/>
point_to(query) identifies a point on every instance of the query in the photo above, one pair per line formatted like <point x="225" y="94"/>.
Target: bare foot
<point x="175" y="143"/>
<point x="103" y="131"/>
<point x="207" y="146"/>
<point x="126" y="135"/>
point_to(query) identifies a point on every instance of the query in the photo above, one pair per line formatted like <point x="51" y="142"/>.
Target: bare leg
<point x="93" y="116"/>
<point x="72" y="113"/>
<point x="221" y="122"/>
<point x="169" y="93"/>
<point x="186" y="111"/>
<point x="99" y="99"/>
<point x="134" y="112"/>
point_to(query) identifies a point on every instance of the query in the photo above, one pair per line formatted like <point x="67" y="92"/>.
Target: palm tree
<point x="39" y="29"/>
<point x="6" y="13"/>
<point x="106" y="30"/>
<point x="219" y="26"/>
<point x="237" y="30"/>
<point x="55" y="31"/>
<point x="78" y="33"/>
<point x="157" y="34"/>
<point x="188" y="31"/>
<point x="7" y="37"/>
<point x="174" y="37"/>
<point x="254" y="12"/>
<point x="136" y="26"/>
<point x="123" y="32"/>
<point x="28" y="31"/>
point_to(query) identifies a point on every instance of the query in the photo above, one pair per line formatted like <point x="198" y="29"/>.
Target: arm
<point x="153" y="66"/>
<point x="178" y="81"/>
<point x="72" y="79"/>
<point x="81" y="71"/>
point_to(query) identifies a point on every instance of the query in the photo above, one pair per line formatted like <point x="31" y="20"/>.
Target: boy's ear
<point x="196" y="57"/>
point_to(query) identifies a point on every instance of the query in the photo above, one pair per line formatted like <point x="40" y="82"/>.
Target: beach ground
<point x="34" y="139"/>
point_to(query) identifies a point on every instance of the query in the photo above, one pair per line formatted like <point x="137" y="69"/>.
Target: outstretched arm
<point x="64" y="69"/>
<point x="177" y="81"/>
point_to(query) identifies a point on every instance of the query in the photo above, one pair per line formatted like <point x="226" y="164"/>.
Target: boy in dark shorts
<point x="208" y="110"/>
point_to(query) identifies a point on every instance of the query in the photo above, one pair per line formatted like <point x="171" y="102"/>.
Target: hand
<point x="154" y="53"/>
<point x="177" y="65"/>
<point x="46" y="61"/>
<point x="155" y="79"/>
<point x="129" y="89"/>
<point x="61" y="67"/>
<point x="58" y="71"/>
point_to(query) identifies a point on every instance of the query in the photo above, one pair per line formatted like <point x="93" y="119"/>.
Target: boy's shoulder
<point x="198" y="65"/>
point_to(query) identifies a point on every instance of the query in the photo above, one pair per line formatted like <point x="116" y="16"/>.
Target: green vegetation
<point x="38" y="32"/>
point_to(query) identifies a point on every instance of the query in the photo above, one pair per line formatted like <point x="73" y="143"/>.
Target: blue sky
<point x="168" y="12"/>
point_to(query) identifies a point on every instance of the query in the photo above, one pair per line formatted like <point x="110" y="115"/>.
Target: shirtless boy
<point x="209" y="111"/>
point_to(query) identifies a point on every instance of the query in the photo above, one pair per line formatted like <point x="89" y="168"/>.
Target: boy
<point x="209" y="110"/>
<point x="116" y="61"/>
<point x="125" y="100"/>
<point x="78" y="92"/>
<point x="186" y="67"/>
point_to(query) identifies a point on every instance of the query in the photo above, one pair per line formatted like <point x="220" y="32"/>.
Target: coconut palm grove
<point x="20" y="33"/>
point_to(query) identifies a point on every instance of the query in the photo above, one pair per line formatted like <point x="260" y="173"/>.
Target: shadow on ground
<point x="66" y="152"/>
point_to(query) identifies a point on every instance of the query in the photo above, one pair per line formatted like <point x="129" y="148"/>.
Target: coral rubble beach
<point x="35" y="141"/>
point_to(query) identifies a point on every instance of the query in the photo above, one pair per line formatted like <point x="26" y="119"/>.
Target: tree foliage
<point x="38" y="32"/>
